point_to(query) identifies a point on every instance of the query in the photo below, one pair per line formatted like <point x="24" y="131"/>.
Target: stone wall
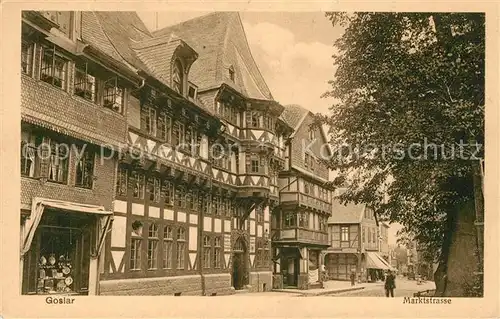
<point x="218" y="284"/>
<point x="261" y="281"/>
<point x="183" y="285"/>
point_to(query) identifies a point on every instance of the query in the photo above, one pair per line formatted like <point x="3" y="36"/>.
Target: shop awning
<point x="38" y="206"/>
<point x="373" y="261"/>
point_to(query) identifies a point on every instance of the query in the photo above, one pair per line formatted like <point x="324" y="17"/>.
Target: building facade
<point x="174" y="173"/>
<point x="354" y="244"/>
<point x="299" y="223"/>
<point x="383" y="232"/>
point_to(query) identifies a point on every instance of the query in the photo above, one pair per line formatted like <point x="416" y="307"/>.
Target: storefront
<point x="375" y="266"/>
<point x="339" y="266"/>
<point x="61" y="243"/>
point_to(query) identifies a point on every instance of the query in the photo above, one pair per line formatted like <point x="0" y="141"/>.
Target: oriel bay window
<point x="85" y="168"/>
<point x="153" y="246"/>
<point x="168" y="247"/>
<point x="181" y="247"/>
<point x="252" y="119"/>
<point x="53" y="67"/>
<point x="290" y="219"/>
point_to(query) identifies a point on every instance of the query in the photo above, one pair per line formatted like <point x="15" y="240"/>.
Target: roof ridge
<point x="156" y="32"/>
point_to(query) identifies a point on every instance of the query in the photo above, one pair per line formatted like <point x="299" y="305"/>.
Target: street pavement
<point x="404" y="288"/>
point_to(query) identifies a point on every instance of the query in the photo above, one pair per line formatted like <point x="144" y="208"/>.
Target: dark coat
<point x="390" y="282"/>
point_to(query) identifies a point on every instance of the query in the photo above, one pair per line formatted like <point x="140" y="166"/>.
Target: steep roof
<point x="220" y="41"/>
<point x="293" y="115"/>
<point x="112" y="33"/>
<point x="346" y="214"/>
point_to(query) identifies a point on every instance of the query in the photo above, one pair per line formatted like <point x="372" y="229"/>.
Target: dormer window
<point x="178" y="77"/>
<point x="231" y="73"/>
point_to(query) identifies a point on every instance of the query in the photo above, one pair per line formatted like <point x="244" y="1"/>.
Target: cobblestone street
<point x="404" y="288"/>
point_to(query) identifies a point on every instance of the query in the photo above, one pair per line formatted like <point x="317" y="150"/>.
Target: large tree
<point x="408" y="118"/>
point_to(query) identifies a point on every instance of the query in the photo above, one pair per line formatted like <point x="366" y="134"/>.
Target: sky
<point x="293" y="51"/>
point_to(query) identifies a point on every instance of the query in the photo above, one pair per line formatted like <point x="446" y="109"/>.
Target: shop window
<point x="217" y="252"/>
<point x="135" y="246"/>
<point x="154" y="189"/>
<point x="181" y="247"/>
<point x="27" y="49"/>
<point x="137" y="180"/>
<point x="153" y="246"/>
<point x="168" y="192"/>
<point x="85" y="168"/>
<point x="113" y="95"/>
<point x="58" y="162"/>
<point x="290" y="219"/>
<point x="29" y="153"/>
<point x="121" y="181"/>
<point x="168" y="243"/>
<point x="206" y="252"/>
<point x="53" y="67"/>
<point x="178" y="77"/>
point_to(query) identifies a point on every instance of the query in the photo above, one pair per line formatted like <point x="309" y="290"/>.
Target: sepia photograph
<point x="242" y="154"/>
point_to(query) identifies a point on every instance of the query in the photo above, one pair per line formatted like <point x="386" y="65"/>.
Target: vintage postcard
<point x="155" y="155"/>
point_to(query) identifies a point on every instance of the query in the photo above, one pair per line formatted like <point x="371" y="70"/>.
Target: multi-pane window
<point x="303" y="219"/>
<point x="153" y="246"/>
<point x="29" y="153"/>
<point x="181" y="247"/>
<point x="180" y="196"/>
<point x="135" y="246"/>
<point x="168" y="245"/>
<point x="269" y="122"/>
<point x="217" y="252"/>
<point x="58" y="162"/>
<point x="344" y="233"/>
<point x="113" y="95"/>
<point x="164" y="127"/>
<point x="216" y="205"/>
<point x="259" y="213"/>
<point x="148" y="120"/>
<point x="53" y="68"/>
<point x="255" y="166"/>
<point x="192" y="200"/>
<point x="85" y="83"/>
<point x="27" y="57"/>
<point x="154" y="189"/>
<point x="253" y="119"/>
<point x="312" y="135"/>
<point x="121" y="181"/>
<point x="206" y="251"/>
<point x="290" y="219"/>
<point x="307" y="188"/>
<point x="168" y="192"/>
<point x="137" y="180"/>
<point x="85" y="169"/>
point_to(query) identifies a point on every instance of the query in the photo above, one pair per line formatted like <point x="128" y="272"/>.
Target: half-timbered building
<point x="299" y="225"/>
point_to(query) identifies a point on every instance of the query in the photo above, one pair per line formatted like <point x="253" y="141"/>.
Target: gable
<point x="220" y="41"/>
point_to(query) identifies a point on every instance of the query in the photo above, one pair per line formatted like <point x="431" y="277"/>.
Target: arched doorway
<point x="239" y="275"/>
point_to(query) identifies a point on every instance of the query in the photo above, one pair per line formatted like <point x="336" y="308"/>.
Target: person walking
<point x="390" y="284"/>
<point x="353" y="278"/>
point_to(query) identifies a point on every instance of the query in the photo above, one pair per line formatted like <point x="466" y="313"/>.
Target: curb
<point x="333" y="292"/>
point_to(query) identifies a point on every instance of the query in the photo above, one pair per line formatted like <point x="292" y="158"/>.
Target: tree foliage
<point x="409" y="92"/>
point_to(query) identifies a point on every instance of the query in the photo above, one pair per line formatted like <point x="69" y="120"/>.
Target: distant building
<point x="354" y="243"/>
<point x="383" y="229"/>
